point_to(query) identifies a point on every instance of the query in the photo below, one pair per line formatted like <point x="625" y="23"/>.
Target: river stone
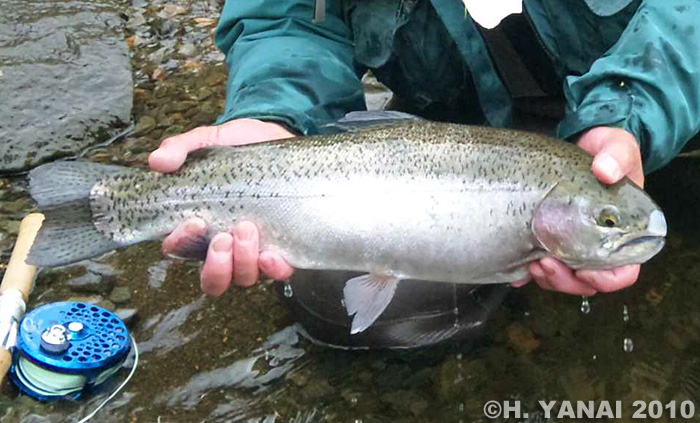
<point x="128" y="315"/>
<point x="91" y="283"/>
<point x="66" y="79"/>
<point x="521" y="338"/>
<point x="146" y="124"/>
<point x="188" y="50"/>
<point x="120" y="295"/>
<point x="404" y="399"/>
<point x="92" y="299"/>
<point x="316" y="390"/>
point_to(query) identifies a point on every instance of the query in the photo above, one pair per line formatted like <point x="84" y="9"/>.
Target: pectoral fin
<point x="366" y="297"/>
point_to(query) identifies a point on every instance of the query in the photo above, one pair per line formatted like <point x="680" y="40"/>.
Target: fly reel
<point x="66" y="348"/>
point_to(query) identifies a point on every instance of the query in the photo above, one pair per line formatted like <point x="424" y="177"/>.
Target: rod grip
<point x="5" y="362"/>
<point x="19" y="275"/>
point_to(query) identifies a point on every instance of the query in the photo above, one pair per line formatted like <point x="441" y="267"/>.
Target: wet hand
<point x="616" y="155"/>
<point x="173" y="151"/>
<point x="235" y="256"/>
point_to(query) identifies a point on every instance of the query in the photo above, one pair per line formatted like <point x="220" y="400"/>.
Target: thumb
<point x="173" y="151"/>
<point x="616" y="155"/>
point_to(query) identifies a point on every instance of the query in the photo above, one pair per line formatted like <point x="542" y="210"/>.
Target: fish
<point x="422" y="200"/>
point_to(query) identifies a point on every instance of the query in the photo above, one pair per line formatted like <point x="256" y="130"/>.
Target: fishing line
<point x="116" y="391"/>
<point x="46" y="382"/>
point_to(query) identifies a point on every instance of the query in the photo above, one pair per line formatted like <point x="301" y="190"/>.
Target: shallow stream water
<point x="239" y="358"/>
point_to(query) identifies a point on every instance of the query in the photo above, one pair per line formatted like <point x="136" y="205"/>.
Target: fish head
<point x="590" y="225"/>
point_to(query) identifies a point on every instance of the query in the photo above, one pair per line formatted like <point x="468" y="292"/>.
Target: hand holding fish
<point x="617" y="155"/>
<point x="173" y="151"/>
<point x="231" y="256"/>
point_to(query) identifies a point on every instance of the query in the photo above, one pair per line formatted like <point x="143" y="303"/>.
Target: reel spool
<point x="66" y="348"/>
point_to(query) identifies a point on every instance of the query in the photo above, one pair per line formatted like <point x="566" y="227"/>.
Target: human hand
<point x="616" y="155"/>
<point x="233" y="256"/>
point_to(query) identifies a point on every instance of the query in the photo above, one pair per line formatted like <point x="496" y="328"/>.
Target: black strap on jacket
<point x="526" y="66"/>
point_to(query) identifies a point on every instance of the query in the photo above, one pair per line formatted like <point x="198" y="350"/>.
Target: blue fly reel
<point x="67" y="347"/>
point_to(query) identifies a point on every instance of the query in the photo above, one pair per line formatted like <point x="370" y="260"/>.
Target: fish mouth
<point x="645" y="246"/>
<point x="637" y="250"/>
<point x="644" y="239"/>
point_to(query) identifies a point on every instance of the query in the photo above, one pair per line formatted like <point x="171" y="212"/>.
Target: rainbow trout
<point x="416" y="200"/>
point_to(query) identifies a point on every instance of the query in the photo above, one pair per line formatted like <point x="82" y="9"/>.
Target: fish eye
<point x="609" y="217"/>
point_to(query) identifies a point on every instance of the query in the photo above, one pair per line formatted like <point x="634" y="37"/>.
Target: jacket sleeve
<point x="286" y="68"/>
<point x="648" y="83"/>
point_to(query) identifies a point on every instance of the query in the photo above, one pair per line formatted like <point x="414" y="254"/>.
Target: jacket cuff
<point x="609" y="104"/>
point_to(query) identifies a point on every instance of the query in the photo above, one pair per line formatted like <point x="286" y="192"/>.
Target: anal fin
<point x="366" y="297"/>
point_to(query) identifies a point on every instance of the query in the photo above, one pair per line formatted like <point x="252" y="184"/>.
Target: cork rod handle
<point x="20" y="275"/>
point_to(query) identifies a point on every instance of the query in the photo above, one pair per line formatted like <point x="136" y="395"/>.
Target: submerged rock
<point x="128" y="315"/>
<point x="91" y="283"/>
<point x="402" y="400"/>
<point x="146" y="124"/>
<point x="521" y="338"/>
<point x="92" y="299"/>
<point x="120" y="295"/>
<point x="66" y="78"/>
<point x="317" y="390"/>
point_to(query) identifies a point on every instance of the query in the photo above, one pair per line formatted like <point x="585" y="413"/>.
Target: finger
<point x="540" y="277"/>
<point x="245" y="254"/>
<point x="522" y="282"/>
<point x="562" y="279"/>
<point x="173" y="151"/>
<point x="274" y="266"/>
<point x="187" y="241"/>
<point x="218" y="267"/>
<point x="610" y="280"/>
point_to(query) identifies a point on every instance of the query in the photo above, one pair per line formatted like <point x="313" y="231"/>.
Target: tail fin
<point x="62" y="192"/>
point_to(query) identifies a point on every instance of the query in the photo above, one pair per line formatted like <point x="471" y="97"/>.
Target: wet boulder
<point x="65" y="79"/>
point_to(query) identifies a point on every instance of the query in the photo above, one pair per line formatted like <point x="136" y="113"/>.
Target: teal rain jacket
<point x="633" y="64"/>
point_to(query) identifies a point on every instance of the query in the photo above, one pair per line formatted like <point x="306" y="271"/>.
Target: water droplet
<point x="288" y="291"/>
<point x="585" y="305"/>
<point x="625" y="314"/>
<point x="627" y="345"/>
<point x="358" y="420"/>
<point x="595" y="357"/>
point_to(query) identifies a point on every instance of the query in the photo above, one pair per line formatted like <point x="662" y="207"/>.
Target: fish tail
<point x="62" y="192"/>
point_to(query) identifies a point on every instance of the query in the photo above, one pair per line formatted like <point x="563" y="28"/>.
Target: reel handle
<point x="19" y="275"/>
